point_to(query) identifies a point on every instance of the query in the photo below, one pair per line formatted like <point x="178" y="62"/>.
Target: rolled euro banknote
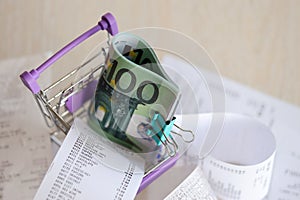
<point x="132" y="90"/>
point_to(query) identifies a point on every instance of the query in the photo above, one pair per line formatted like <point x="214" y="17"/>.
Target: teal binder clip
<point x="160" y="131"/>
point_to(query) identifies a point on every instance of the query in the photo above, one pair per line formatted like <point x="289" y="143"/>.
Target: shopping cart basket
<point x="66" y="99"/>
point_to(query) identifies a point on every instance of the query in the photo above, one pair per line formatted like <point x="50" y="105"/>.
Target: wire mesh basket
<point x="71" y="95"/>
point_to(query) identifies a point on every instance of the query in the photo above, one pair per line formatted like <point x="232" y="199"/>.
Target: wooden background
<point x="255" y="42"/>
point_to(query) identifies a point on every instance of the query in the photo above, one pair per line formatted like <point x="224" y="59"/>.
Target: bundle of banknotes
<point x="135" y="99"/>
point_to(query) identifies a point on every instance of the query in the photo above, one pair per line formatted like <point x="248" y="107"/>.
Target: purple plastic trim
<point x="158" y="172"/>
<point x="75" y="101"/>
<point x="29" y="79"/>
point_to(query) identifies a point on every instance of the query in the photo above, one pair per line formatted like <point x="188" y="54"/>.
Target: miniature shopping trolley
<point x="66" y="99"/>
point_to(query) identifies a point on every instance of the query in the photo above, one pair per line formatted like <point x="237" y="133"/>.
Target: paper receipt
<point x="83" y="169"/>
<point x="241" y="164"/>
<point x="195" y="186"/>
<point x="25" y="149"/>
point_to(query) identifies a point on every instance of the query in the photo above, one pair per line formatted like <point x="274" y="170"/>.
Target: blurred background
<point x="253" y="42"/>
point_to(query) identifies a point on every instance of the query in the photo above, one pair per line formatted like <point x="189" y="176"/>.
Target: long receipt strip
<point x="244" y="140"/>
<point x="282" y="118"/>
<point x="85" y="168"/>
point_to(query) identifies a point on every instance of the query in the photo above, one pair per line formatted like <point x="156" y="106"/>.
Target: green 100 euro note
<point x="131" y="90"/>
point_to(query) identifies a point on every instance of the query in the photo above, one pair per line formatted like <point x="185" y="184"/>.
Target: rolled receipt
<point x="240" y="165"/>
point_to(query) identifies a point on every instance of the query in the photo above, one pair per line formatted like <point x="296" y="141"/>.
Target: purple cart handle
<point x="29" y="79"/>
